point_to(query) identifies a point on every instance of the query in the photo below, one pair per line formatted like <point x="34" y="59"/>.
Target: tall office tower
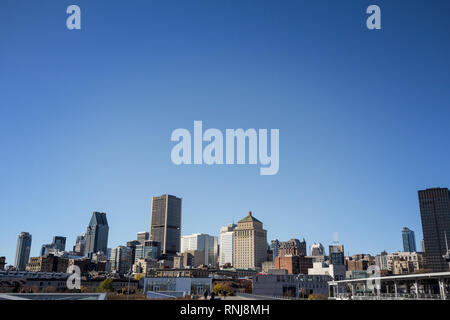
<point x="337" y="254"/>
<point x="165" y="223"/>
<point x="120" y="260"/>
<point x="250" y="244"/>
<point x="2" y="263"/>
<point x="275" y="247"/>
<point x="97" y="234"/>
<point x="143" y="236"/>
<point x="316" y="250"/>
<point x="226" y="245"/>
<point x="80" y="245"/>
<point x="22" y="251"/>
<point x="435" y="214"/>
<point x="58" y="244"/>
<point x="148" y="250"/>
<point x="409" y="240"/>
<point x="292" y="247"/>
<point x="132" y="245"/>
<point x="203" y="243"/>
<point x="422" y="244"/>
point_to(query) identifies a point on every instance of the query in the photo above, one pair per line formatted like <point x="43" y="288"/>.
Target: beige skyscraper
<point x="250" y="244"/>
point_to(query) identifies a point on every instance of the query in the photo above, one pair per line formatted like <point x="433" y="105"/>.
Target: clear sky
<point x="86" y="116"/>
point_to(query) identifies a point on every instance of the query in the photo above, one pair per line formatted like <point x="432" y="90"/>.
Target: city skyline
<point x="281" y="239"/>
<point x="87" y="116"/>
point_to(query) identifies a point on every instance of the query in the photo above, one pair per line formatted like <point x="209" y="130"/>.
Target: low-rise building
<point x="294" y="264"/>
<point x="290" y="285"/>
<point x="335" y="271"/>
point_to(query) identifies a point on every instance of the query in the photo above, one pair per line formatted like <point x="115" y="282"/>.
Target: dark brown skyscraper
<point x="165" y="223"/>
<point x="435" y="213"/>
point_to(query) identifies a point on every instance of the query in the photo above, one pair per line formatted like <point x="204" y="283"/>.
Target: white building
<point x="335" y="271"/>
<point x="202" y="242"/>
<point x="226" y="244"/>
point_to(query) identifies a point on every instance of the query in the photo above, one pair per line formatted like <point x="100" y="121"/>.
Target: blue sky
<point x="86" y="116"/>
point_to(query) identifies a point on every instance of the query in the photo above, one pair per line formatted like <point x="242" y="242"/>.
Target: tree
<point x="317" y="296"/>
<point x="138" y="276"/>
<point x="105" y="286"/>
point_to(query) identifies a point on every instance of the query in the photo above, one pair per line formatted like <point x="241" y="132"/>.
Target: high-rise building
<point x="143" y="236"/>
<point x="204" y="243"/>
<point x="2" y="263"/>
<point x="317" y="250"/>
<point x="337" y="254"/>
<point x="435" y="215"/>
<point x="409" y="240"/>
<point x="120" y="260"/>
<point x="80" y="245"/>
<point x="275" y="247"/>
<point x="132" y="245"/>
<point x="58" y="244"/>
<point x="226" y="245"/>
<point x="165" y="223"/>
<point x="97" y="234"/>
<point x="250" y="244"/>
<point x="148" y="250"/>
<point x="293" y="247"/>
<point x="22" y="251"/>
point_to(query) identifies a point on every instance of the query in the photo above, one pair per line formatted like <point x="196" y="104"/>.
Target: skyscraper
<point x="132" y="246"/>
<point x="165" y="223"/>
<point x="275" y="247"/>
<point x="143" y="236"/>
<point x="435" y="214"/>
<point x="80" y="245"/>
<point x="226" y="244"/>
<point x="409" y="240"/>
<point x="250" y="244"/>
<point x="337" y="254"/>
<point x="22" y="251"/>
<point x="203" y="243"/>
<point x="58" y="244"/>
<point x="120" y="260"/>
<point x="97" y="234"/>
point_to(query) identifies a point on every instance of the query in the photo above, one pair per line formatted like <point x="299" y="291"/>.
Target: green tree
<point x="105" y="286"/>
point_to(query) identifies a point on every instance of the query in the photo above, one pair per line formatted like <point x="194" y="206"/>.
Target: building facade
<point x="337" y="254"/>
<point x="143" y="236"/>
<point x="149" y="249"/>
<point x="250" y="244"/>
<point x="165" y="223"/>
<point x="97" y="234"/>
<point x="435" y="215"/>
<point x="290" y="285"/>
<point x="317" y="250"/>
<point x="22" y="251"/>
<point x="226" y="245"/>
<point x="275" y="247"/>
<point x="293" y="247"/>
<point x="294" y="264"/>
<point x="409" y="240"/>
<point x="203" y="243"/>
<point x="120" y="260"/>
